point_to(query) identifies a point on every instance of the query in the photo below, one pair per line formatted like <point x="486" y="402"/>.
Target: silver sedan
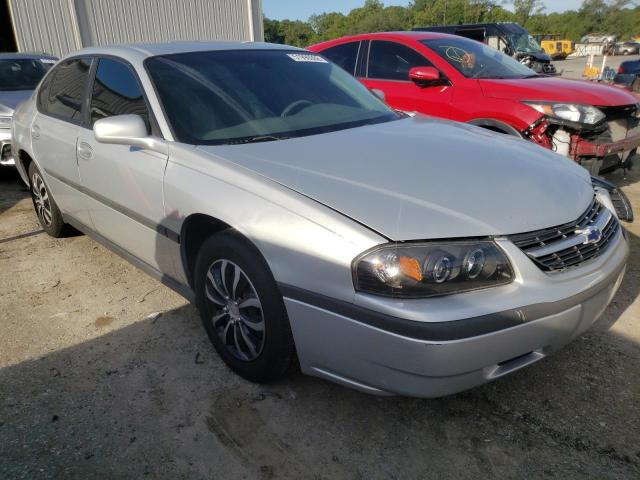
<point x="312" y="224"/>
<point x="20" y="73"/>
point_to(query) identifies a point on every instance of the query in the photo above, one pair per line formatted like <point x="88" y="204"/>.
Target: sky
<point x="303" y="9"/>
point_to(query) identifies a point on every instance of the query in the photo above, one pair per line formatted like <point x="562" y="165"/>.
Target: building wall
<point x="62" y="26"/>
<point x="45" y="26"/>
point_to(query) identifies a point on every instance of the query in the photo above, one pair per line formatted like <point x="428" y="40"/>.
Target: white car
<point x="309" y="222"/>
<point x="20" y="73"/>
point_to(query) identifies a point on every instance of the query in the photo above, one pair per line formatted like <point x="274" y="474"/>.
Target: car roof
<point x="414" y="35"/>
<point x="16" y="56"/>
<point x="140" y="51"/>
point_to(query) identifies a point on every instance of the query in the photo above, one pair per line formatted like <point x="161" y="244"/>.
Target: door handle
<point x="85" y="150"/>
<point x="35" y="132"/>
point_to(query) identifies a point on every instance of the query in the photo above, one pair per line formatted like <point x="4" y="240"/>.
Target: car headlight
<point x="584" y="114"/>
<point x="427" y="269"/>
<point x="5" y="122"/>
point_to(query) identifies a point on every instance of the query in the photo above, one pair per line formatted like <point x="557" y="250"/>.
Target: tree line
<point x="619" y="17"/>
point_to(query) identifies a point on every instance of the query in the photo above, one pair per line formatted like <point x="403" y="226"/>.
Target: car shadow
<point x="624" y="178"/>
<point x="12" y="189"/>
<point x="153" y="399"/>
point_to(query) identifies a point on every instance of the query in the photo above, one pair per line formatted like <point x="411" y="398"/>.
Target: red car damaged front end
<point x="596" y="125"/>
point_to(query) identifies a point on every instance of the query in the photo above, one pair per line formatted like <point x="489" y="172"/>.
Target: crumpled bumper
<point x="584" y="148"/>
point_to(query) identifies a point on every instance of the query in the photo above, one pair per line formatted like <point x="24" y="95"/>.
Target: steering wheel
<point x="295" y="105"/>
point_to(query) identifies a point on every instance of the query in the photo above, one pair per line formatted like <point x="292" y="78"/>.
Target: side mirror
<point x="426" y="76"/>
<point x="127" y="130"/>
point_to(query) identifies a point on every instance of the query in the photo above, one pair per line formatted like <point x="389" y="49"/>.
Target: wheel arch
<point x="196" y="229"/>
<point x="23" y="160"/>
<point x="496" y="126"/>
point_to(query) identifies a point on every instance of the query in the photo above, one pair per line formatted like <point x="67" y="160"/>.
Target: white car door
<point x="123" y="183"/>
<point x="54" y="134"/>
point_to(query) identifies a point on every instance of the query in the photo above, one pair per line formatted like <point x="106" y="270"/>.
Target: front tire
<point x="242" y="309"/>
<point x="47" y="211"/>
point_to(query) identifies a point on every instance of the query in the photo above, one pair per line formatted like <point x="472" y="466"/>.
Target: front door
<point x="388" y="70"/>
<point x="123" y="183"/>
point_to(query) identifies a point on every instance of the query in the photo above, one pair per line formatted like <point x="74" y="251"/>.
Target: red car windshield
<point x="477" y="60"/>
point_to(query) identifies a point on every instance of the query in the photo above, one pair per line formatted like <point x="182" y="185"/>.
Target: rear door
<point x="387" y="69"/>
<point x="54" y="132"/>
<point x="124" y="183"/>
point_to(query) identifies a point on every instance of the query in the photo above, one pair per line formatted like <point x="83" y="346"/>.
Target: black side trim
<point x="445" y="331"/>
<point x="432" y="331"/>
<point x="161" y="229"/>
<point x="163" y="278"/>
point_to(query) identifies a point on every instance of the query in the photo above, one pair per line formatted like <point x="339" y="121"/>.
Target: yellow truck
<point x="554" y="45"/>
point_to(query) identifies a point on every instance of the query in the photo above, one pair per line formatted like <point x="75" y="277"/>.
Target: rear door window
<point x="344" y="55"/>
<point x="67" y="89"/>
<point x="116" y="91"/>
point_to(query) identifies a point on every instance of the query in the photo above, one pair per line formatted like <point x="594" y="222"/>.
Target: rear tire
<point x="45" y="206"/>
<point x="242" y="309"/>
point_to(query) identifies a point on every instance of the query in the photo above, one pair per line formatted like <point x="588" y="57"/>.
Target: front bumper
<point x="584" y="148"/>
<point x="384" y="358"/>
<point x="6" y="157"/>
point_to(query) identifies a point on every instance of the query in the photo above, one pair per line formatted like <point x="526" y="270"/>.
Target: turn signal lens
<point x="411" y="268"/>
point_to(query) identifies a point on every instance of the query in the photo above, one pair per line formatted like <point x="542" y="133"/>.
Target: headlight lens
<point x="5" y="122"/>
<point x="420" y="270"/>
<point x="585" y="114"/>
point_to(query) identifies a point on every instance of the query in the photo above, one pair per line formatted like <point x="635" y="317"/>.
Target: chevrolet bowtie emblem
<point x="591" y="234"/>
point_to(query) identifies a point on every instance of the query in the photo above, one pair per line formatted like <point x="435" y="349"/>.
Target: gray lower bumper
<point x="366" y="357"/>
<point x="6" y="157"/>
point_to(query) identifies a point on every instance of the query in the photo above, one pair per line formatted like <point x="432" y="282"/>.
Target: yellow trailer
<point x="555" y="46"/>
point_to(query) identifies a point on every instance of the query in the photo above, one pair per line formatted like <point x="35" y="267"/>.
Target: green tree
<point x="619" y="17"/>
<point x="525" y="9"/>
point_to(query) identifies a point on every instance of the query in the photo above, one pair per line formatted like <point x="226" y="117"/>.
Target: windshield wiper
<point x="256" y="139"/>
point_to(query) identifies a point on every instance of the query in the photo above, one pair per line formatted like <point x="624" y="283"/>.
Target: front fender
<point x="305" y="244"/>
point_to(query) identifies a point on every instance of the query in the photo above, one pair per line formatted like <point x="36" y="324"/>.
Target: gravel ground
<point x="105" y="373"/>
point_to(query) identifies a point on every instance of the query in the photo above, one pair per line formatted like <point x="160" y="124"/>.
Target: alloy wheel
<point x="235" y="308"/>
<point x="41" y="199"/>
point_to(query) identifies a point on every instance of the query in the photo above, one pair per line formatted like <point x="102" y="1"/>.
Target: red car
<point x="460" y="79"/>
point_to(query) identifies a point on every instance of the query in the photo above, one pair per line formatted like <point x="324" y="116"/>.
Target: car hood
<point x="556" y="90"/>
<point x="9" y="100"/>
<point x="423" y="178"/>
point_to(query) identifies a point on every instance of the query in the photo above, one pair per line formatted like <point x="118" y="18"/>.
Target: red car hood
<point x="557" y="90"/>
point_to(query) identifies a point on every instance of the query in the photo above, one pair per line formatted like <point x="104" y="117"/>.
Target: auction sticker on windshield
<point x="300" y="57"/>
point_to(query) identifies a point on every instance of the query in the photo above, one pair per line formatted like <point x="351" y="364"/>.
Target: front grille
<point x="620" y="122"/>
<point x="548" y="69"/>
<point x="571" y="244"/>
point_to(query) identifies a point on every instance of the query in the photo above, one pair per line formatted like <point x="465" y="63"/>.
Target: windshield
<point x="477" y="60"/>
<point x="525" y="43"/>
<point x="227" y="97"/>
<point x="23" y="73"/>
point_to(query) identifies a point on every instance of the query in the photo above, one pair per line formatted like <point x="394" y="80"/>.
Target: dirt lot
<point x="105" y="373"/>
